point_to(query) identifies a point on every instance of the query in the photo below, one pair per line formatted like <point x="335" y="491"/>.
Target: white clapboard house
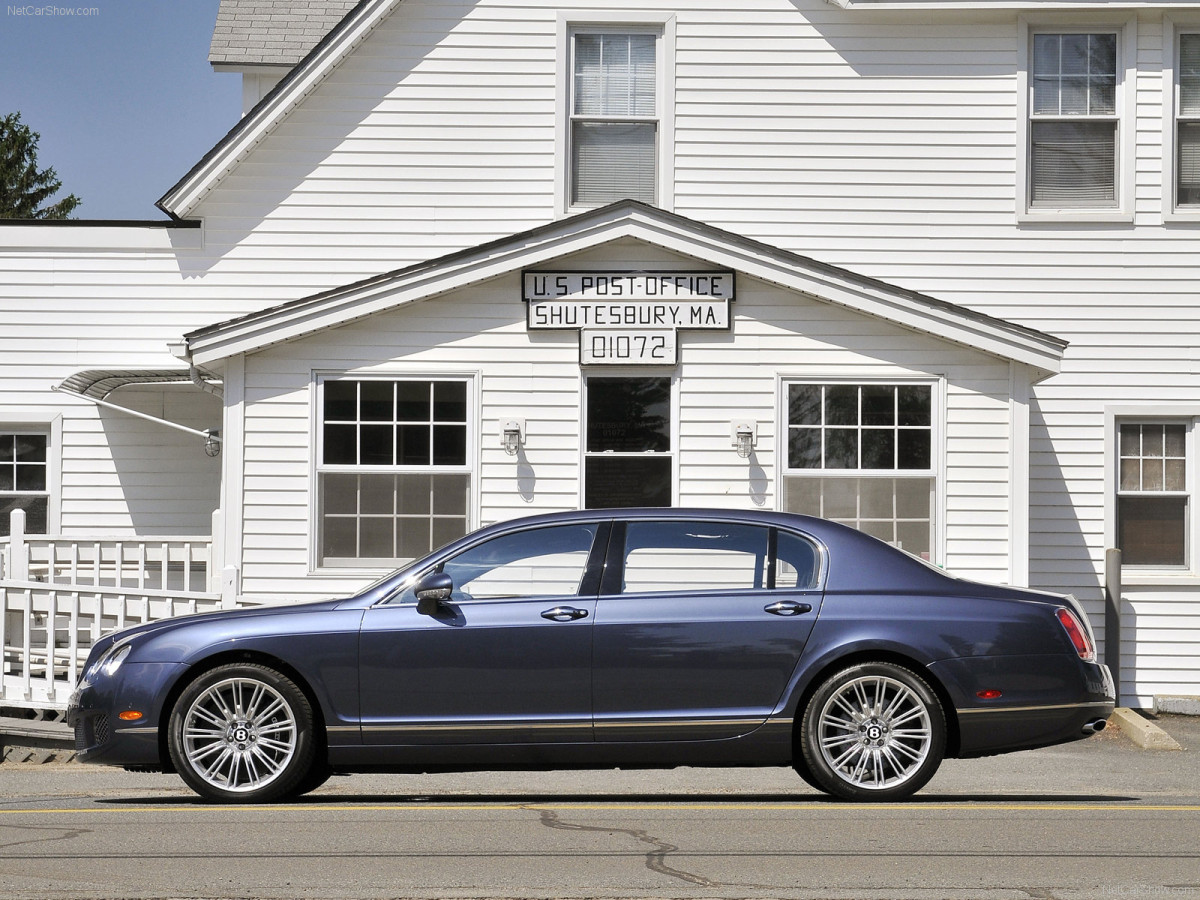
<point x="927" y="267"/>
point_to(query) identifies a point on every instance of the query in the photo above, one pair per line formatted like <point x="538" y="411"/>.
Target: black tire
<point x="318" y="774"/>
<point x="242" y="733"/>
<point x="874" y="731"/>
<point x="805" y="773"/>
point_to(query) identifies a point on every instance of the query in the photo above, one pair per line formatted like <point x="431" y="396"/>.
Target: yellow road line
<point x="451" y="806"/>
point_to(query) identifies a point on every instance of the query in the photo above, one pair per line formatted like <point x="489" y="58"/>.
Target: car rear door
<point x="699" y="627"/>
<point x="506" y="659"/>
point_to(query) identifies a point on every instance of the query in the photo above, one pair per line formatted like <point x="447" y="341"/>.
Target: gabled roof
<point x="627" y="219"/>
<point x="272" y="32"/>
<point x="181" y="200"/>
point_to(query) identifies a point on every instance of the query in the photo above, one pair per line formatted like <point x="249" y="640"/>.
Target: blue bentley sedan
<point x="606" y="638"/>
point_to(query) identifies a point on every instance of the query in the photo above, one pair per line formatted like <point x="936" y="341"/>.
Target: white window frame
<point x="1126" y="71"/>
<point x="1189" y="416"/>
<point x="624" y="372"/>
<point x="50" y="424"/>
<point x="317" y="468"/>
<point x="937" y="463"/>
<point x="1172" y="29"/>
<point x="582" y="21"/>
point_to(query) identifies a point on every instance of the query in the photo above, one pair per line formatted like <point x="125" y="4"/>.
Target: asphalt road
<point x="1095" y="819"/>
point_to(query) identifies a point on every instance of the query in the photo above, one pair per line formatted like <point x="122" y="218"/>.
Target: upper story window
<point x="862" y="454"/>
<point x="1187" y="126"/>
<point x="614" y="127"/>
<point x="24" y="479"/>
<point x="393" y="476"/>
<point x="1073" y="128"/>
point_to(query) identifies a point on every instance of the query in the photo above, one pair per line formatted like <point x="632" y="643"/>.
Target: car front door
<point x="505" y="659"/>
<point x="699" y="627"/>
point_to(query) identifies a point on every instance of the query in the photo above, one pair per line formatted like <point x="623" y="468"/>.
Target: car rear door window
<point x="691" y="556"/>
<point x="662" y="556"/>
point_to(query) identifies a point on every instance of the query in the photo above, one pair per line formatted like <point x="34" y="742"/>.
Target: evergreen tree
<point x="23" y="187"/>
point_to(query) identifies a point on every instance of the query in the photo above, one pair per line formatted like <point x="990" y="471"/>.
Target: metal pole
<point x="1112" y="617"/>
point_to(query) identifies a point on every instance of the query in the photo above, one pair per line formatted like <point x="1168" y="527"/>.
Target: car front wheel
<point x="242" y="733"/>
<point x="873" y="731"/>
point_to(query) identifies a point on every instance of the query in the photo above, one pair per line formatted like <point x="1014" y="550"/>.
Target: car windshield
<point x="383" y="580"/>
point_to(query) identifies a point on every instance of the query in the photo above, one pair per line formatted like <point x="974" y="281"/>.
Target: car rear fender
<point x="838" y="641"/>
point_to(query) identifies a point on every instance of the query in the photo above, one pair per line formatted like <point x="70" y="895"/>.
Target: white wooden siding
<point x="1160" y="630"/>
<point x="884" y="143"/>
<point x="536" y="376"/>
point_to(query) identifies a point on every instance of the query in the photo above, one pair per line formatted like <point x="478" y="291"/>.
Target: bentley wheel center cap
<point x="240" y="733"/>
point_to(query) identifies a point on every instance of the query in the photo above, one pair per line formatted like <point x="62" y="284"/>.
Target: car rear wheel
<point x="242" y="733"/>
<point x="874" y="731"/>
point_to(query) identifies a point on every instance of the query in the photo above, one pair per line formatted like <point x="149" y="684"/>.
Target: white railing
<point x="143" y="562"/>
<point x="60" y="593"/>
<point x="46" y="631"/>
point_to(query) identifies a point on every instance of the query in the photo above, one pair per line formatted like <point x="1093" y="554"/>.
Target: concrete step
<point x="1180" y="706"/>
<point x="12" y="727"/>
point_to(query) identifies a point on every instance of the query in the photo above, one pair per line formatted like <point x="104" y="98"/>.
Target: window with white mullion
<point x="1153" y="495"/>
<point x="393" y="475"/>
<point x="24" y="479"/>
<point x="1073" y="131"/>
<point x="862" y="454"/>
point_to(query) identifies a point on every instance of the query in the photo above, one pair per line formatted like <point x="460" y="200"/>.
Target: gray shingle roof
<point x="272" y="32"/>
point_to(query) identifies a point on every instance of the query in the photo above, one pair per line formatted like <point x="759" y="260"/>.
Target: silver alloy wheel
<point x="875" y="732"/>
<point x="239" y="734"/>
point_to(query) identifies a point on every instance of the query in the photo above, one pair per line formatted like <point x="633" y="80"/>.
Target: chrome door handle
<point x="565" y="614"/>
<point x="787" y="608"/>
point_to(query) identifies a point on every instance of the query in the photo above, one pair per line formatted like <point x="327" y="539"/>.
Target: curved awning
<point x="97" y="384"/>
<point x="94" y="385"/>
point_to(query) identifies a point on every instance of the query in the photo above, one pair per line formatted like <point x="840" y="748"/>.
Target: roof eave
<point x="907" y="309"/>
<point x="1014" y="5"/>
<point x="183" y="198"/>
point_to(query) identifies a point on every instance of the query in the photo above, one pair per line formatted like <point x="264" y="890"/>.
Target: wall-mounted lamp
<point x="512" y="435"/>
<point x="743" y="435"/>
<point x="212" y="442"/>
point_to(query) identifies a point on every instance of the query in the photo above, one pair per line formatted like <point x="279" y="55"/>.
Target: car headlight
<point x="108" y="664"/>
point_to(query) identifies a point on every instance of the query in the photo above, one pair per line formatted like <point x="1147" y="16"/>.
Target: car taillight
<point x="1078" y="635"/>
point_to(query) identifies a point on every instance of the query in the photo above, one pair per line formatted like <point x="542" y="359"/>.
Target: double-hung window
<point x="863" y="455"/>
<point x="629" y="458"/>
<point x="614" y="116"/>
<point x="1187" y="124"/>
<point x="24" y="479"/>
<point x="1073" y="127"/>
<point x="1153" y="493"/>
<point x="393" y="472"/>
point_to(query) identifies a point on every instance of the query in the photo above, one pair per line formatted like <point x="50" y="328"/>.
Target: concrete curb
<point x="1141" y="731"/>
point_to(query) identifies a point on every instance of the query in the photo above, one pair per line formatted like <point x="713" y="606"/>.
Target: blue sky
<point x="124" y="98"/>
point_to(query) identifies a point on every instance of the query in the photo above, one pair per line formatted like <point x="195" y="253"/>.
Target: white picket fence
<point x="60" y="593"/>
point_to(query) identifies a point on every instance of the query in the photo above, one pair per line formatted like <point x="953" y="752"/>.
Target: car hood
<point x="166" y="625"/>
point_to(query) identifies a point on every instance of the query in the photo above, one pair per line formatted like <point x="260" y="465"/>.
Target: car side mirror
<point x="431" y="591"/>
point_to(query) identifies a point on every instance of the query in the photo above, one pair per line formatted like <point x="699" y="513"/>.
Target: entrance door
<point x="506" y="659"/>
